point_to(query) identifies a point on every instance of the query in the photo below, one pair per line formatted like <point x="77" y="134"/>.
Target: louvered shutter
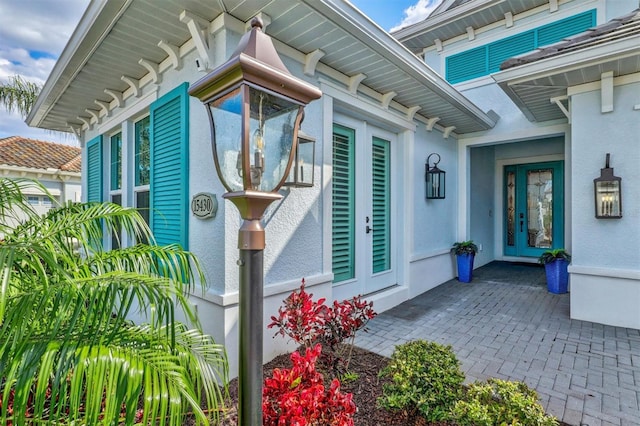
<point x="94" y="169"/>
<point x="381" y="200"/>
<point x="467" y="65"/>
<point x="343" y="237"/>
<point x="502" y="50"/>
<point x="573" y="25"/>
<point x="169" y="186"/>
<point x="486" y="59"/>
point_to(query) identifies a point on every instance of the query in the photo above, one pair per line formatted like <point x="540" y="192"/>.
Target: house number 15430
<point x="204" y="205"/>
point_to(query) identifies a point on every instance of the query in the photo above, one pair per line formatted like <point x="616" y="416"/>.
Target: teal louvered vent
<point x="483" y="60"/>
<point x="169" y="167"/>
<point x="94" y="170"/>
<point x="467" y="65"/>
<point x="507" y="48"/>
<point x="343" y="238"/>
<point x="553" y="33"/>
<point x="381" y="199"/>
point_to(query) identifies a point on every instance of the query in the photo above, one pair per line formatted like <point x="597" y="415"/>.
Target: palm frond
<point x="68" y="351"/>
<point x="19" y="95"/>
<point x="95" y="383"/>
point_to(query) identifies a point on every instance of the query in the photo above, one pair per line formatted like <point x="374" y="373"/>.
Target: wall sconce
<point x="301" y="174"/>
<point x="608" y="194"/>
<point x="435" y="179"/>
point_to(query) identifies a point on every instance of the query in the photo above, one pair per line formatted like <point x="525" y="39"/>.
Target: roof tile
<point x="37" y="154"/>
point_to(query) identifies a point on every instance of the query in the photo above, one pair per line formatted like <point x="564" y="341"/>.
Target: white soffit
<point x="531" y="85"/>
<point x="114" y="35"/>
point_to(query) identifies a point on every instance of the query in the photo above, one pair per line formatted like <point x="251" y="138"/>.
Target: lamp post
<point x="255" y="106"/>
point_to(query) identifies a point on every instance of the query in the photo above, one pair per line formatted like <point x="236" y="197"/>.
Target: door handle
<point x="369" y="229"/>
<point x="521" y="223"/>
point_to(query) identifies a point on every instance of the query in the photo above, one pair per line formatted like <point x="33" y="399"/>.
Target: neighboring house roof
<point x="116" y="46"/>
<point x="35" y="154"/>
<point x="453" y="17"/>
<point x="531" y="80"/>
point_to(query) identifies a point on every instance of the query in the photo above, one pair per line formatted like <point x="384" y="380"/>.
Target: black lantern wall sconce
<point x="435" y="179"/>
<point x="608" y="194"/>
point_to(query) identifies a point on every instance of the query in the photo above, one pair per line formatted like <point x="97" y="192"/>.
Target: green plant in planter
<point x="464" y="247"/>
<point x="556" y="269"/>
<point x="465" y="252"/>
<point x="553" y="255"/>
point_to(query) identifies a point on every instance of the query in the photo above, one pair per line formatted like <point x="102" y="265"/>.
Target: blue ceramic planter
<point x="465" y="267"/>
<point x="557" y="276"/>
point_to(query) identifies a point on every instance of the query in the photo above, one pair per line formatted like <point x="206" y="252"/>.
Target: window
<point x="142" y="166"/>
<point x="116" y="182"/>
<point x="143" y="158"/>
<point x="147" y="169"/>
<point x="116" y="162"/>
<point x="486" y="59"/>
<point x="33" y="200"/>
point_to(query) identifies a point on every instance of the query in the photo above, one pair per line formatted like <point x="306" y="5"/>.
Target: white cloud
<point x="32" y="35"/>
<point x="416" y="13"/>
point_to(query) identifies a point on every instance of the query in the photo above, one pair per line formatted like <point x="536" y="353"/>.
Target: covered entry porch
<point x="515" y="205"/>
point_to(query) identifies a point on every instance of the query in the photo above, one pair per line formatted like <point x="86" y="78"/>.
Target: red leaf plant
<point x="298" y="397"/>
<point x="308" y="323"/>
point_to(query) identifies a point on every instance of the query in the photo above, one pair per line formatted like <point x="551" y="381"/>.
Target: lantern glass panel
<point x="435" y="183"/>
<point x="271" y="120"/>
<point x="226" y="115"/>
<point x="608" y="198"/>
<point x="271" y="130"/>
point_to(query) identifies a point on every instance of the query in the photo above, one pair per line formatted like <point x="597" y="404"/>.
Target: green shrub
<point x="425" y="376"/>
<point x="501" y="402"/>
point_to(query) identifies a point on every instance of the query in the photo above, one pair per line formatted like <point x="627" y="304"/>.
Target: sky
<point x="33" y="33"/>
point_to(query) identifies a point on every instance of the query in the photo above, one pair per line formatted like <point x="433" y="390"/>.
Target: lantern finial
<point x="257" y="23"/>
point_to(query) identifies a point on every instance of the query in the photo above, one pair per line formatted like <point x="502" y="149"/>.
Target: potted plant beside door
<point x="556" y="263"/>
<point x="465" y="252"/>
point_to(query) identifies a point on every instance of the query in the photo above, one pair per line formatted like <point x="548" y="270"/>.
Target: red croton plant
<point x="310" y="322"/>
<point x="298" y="397"/>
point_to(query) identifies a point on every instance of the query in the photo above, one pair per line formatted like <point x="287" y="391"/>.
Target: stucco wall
<point x="605" y="270"/>
<point x="482" y="195"/>
<point x="599" y="242"/>
<point x="434" y="220"/>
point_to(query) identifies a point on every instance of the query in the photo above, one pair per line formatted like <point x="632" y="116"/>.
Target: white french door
<point x="364" y="216"/>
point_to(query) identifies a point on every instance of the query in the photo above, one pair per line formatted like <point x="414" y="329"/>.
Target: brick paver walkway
<point x="506" y="325"/>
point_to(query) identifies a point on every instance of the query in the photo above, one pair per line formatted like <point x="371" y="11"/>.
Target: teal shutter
<point x="467" y="65"/>
<point x="486" y="59"/>
<point x="169" y="187"/>
<point x="504" y="49"/>
<point x="381" y="200"/>
<point x="94" y="169"/>
<point x="556" y="31"/>
<point x="343" y="237"/>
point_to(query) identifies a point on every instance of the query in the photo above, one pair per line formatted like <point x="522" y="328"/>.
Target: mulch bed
<point x="366" y="390"/>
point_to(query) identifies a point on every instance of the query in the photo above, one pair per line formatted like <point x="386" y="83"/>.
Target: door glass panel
<point x="511" y="208"/>
<point x="540" y="208"/>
